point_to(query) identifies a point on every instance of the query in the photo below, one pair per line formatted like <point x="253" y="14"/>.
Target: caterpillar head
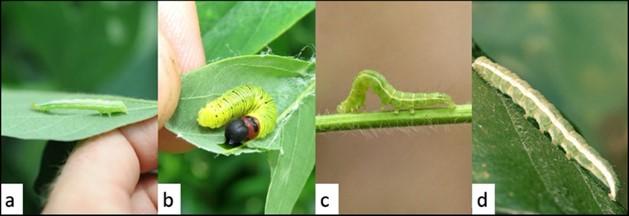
<point x="241" y="130"/>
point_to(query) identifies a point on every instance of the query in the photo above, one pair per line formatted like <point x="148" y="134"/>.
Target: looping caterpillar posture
<point x="549" y="119"/>
<point x="99" y="105"/>
<point x="389" y="96"/>
<point x="254" y="110"/>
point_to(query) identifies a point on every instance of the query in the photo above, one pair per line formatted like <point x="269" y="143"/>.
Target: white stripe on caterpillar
<point x="100" y="105"/>
<point x="399" y="100"/>
<point x="549" y="120"/>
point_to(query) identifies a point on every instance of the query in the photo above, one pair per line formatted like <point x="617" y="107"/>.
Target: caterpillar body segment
<point x="389" y="96"/>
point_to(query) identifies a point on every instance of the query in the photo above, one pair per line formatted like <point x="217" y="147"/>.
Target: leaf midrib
<point x="290" y="109"/>
<point x="584" y="177"/>
<point x="504" y="101"/>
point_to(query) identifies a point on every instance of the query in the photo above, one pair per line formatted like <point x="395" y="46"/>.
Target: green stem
<point x="352" y="121"/>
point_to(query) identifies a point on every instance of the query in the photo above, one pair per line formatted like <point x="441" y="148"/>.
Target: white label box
<point x="327" y="199"/>
<point x="483" y="199"/>
<point x="12" y="199"/>
<point x="168" y="199"/>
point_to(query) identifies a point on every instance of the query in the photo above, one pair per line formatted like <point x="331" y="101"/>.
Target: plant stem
<point x="352" y="121"/>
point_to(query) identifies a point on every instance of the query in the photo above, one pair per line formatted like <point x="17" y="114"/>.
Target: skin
<point x="111" y="172"/>
<point x="168" y="79"/>
<point x="183" y="51"/>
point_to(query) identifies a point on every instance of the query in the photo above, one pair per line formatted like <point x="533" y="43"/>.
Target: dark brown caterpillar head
<point x="241" y="130"/>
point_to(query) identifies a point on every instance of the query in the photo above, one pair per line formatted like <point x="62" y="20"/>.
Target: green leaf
<point x="530" y="173"/>
<point x="291" y="168"/>
<point x="248" y="26"/>
<point x="20" y="121"/>
<point x="210" y="12"/>
<point x="287" y="80"/>
<point x="574" y="52"/>
<point x="298" y="41"/>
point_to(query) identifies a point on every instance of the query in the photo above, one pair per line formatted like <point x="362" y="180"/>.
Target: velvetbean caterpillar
<point x="250" y="111"/>
<point x="549" y="120"/>
<point x="389" y="96"/>
<point x="100" y="105"/>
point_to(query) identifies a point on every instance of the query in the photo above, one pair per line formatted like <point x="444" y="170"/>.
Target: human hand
<point x="109" y="173"/>
<point x="179" y="51"/>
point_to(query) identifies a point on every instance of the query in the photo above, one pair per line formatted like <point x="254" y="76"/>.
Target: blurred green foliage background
<point x="212" y="184"/>
<point x="575" y="53"/>
<point x="93" y="47"/>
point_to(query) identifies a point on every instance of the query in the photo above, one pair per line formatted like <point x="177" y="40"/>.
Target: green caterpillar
<point x="99" y="105"/>
<point x="250" y="111"/>
<point x="390" y="96"/>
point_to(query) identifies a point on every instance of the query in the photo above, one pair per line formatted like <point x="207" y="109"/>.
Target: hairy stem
<point x="352" y="121"/>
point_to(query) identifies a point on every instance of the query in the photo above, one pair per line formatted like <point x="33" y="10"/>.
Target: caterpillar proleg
<point x="99" y="105"/>
<point x="389" y="96"/>
<point x="250" y="111"/>
<point x="549" y="120"/>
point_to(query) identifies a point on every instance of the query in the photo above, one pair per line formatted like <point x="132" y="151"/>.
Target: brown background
<point x="419" y="47"/>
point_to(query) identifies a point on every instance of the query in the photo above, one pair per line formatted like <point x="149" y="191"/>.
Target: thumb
<point x="168" y="80"/>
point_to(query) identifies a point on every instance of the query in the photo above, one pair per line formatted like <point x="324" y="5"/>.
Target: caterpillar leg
<point x="383" y="107"/>
<point x="450" y="104"/>
<point x="383" y="104"/>
<point x="569" y="156"/>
